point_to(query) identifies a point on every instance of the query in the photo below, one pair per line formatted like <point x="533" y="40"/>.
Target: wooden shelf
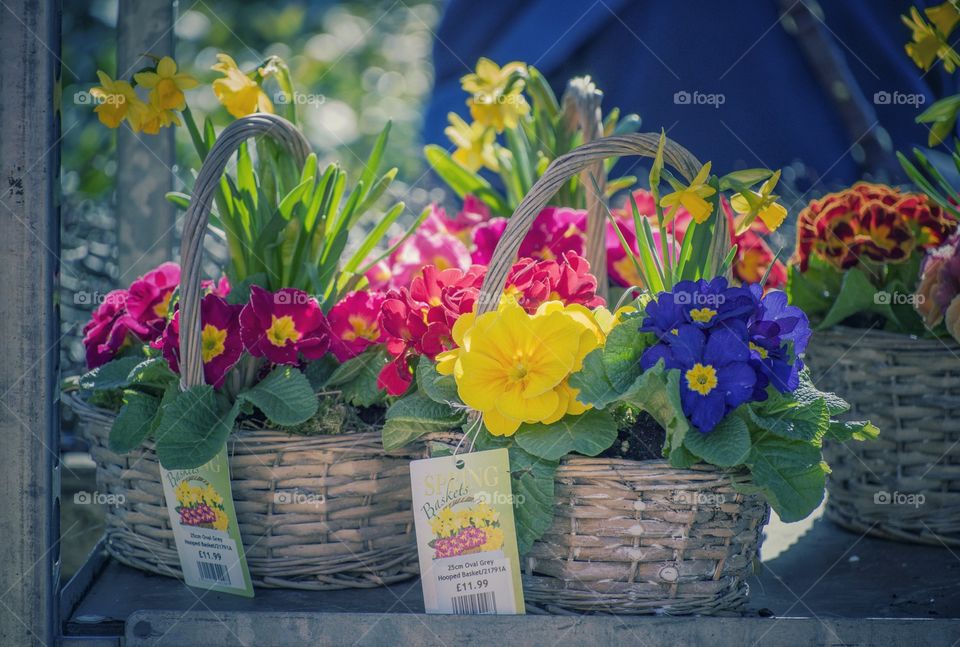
<point x="830" y="587"/>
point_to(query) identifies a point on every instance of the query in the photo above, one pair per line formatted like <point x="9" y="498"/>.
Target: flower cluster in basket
<point x="545" y="369"/>
<point x="876" y="256"/>
<point x="715" y="363"/>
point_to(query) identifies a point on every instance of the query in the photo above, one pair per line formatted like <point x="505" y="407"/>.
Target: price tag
<point x="466" y="537"/>
<point x="204" y="522"/>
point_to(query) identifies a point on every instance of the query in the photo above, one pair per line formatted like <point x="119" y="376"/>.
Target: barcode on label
<point x="475" y="603"/>
<point x="213" y="572"/>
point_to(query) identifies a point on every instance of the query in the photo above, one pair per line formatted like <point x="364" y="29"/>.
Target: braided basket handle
<point x="198" y="214"/>
<point x="559" y="171"/>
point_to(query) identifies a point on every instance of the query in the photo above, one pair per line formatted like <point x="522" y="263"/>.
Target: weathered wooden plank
<point x="29" y="240"/>
<point x="145" y="219"/>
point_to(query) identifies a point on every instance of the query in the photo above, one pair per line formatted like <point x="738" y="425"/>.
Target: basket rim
<point x="882" y="339"/>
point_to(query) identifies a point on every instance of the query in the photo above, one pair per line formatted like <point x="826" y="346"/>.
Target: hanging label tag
<point x="205" y="528"/>
<point x="466" y="537"/>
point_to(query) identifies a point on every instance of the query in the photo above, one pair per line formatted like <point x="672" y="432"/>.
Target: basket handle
<point x="559" y="171"/>
<point x="198" y="214"/>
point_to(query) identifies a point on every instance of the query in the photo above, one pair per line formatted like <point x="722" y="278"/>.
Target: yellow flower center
<point x="282" y="330"/>
<point x="169" y="95"/>
<point x="761" y="351"/>
<point x="163" y="307"/>
<point x="518" y="372"/>
<point x="212" y="341"/>
<point x="701" y="378"/>
<point x="675" y="331"/>
<point x="361" y="328"/>
<point x="703" y="315"/>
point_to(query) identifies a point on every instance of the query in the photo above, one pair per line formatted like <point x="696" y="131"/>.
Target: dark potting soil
<point x="640" y="441"/>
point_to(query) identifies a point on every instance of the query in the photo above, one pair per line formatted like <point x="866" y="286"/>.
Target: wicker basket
<point x="632" y="537"/>
<point x="315" y="512"/>
<point x="904" y="485"/>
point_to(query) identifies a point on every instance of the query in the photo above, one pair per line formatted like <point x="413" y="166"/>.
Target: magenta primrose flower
<point x="220" y="342"/>
<point x="354" y="324"/>
<point x="148" y="299"/>
<point x="107" y="331"/>
<point x="283" y="325"/>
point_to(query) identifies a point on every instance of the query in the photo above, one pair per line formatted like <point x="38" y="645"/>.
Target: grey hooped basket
<point x="315" y="512"/>
<point x="904" y="485"/>
<point x="632" y="537"/>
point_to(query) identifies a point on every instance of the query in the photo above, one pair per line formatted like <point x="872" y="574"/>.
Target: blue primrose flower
<point x="716" y="375"/>
<point x="778" y="333"/>
<point x="700" y="303"/>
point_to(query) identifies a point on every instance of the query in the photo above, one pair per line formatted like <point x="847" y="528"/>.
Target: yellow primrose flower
<point x="762" y="203"/>
<point x="513" y="367"/>
<point x="496" y="99"/>
<point x="166" y="85"/>
<point x="692" y="198"/>
<point x="238" y="93"/>
<point x="116" y="101"/>
<point x="474" y="144"/>
<point x="494" y="539"/>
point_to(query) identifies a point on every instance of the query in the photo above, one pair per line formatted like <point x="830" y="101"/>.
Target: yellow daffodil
<point x="929" y="39"/>
<point x="474" y="144"/>
<point x="692" y="198"/>
<point x="116" y="101"/>
<point x="496" y="94"/>
<point x="763" y="204"/>
<point x="153" y="118"/>
<point x="513" y="367"/>
<point x="166" y="85"/>
<point x="238" y="93"/>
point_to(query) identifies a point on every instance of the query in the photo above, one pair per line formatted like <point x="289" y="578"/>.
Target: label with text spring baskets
<point x="204" y="522"/>
<point x="466" y="537"/>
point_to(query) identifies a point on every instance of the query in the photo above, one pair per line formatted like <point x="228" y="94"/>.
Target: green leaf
<point x="462" y="181"/>
<point x="240" y="292"/>
<point x="531" y="481"/>
<point x="657" y="392"/>
<point x="356" y="378"/>
<point x="153" y="372"/>
<point x="587" y="434"/>
<point x="592" y="381"/>
<point x="857" y="294"/>
<point x="115" y="374"/>
<point x="728" y="445"/>
<point x="744" y="178"/>
<point x="284" y="396"/>
<point x="622" y="351"/>
<point x="682" y="458"/>
<point x="318" y="372"/>
<point x="852" y="430"/>
<point x="193" y="427"/>
<point x="439" y="388"/>
<point x="134" y="421"/>
<point x="790" y="473"/>
<point x="415" y="415"/>
<point x="799" y="420"/>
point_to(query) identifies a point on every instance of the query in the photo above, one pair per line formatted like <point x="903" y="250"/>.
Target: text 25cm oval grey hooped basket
<point x="315" y="512"/>
<point x="632" y="537"/>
